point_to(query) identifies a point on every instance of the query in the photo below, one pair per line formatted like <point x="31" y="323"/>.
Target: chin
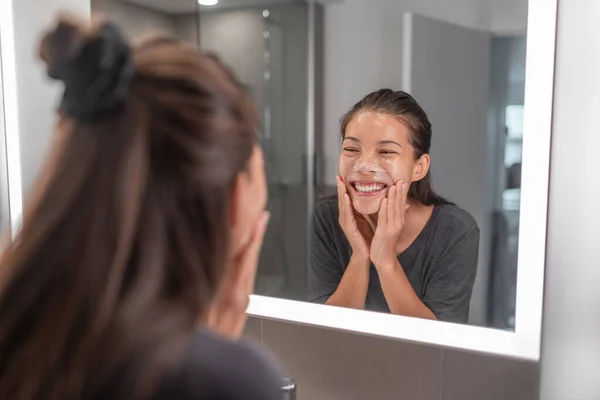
<point x="367" y="206"/>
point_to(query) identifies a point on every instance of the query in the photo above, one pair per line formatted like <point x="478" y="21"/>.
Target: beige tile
<point x="468" y="376"/>
<point x="332" y="365"/>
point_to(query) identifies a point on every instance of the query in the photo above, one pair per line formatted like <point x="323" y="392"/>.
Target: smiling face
<point x="376" y="153"/>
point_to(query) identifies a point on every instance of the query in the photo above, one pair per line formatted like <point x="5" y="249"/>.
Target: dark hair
<point x="125" y="239"/>
<point x="404" y="107"/>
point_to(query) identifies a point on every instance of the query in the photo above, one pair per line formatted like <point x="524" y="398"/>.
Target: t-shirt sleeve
<point x="448" y="292"/>
<point x="325" y="270"/>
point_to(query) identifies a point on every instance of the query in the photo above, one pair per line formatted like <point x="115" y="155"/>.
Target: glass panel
<point x="266" y="46"/>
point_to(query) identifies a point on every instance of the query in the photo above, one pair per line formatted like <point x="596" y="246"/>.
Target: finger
<point x="391" y="208"/>
<point x="247" y="263"/>
<point x="258" y="237"/>
<point x="341" y="193"/>
<point x="403" y="201"/>
<point x="342" y="185"/>
<point x="349" y="216"/>
<point x="399" y="204"/>
<point x="382" y="216"/>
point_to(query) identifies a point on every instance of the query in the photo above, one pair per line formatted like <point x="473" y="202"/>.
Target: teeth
<point x="369" y="188"/>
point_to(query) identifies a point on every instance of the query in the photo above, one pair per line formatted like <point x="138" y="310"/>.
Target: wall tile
<point x="468" y="376"/>
<point x="332" y="365"/>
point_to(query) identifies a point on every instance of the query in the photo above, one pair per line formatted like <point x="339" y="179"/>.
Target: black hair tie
<point x="97" y="80"/>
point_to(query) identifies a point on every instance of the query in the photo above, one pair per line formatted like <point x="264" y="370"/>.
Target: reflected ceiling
<point x="188" y="6"/>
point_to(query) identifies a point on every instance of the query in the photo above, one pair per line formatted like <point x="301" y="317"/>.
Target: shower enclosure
<point x="269" y="45"/>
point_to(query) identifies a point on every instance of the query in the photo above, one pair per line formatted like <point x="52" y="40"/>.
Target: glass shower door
<point x="267" y="46"/>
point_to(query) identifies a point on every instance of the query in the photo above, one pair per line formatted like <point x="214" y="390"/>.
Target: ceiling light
<point x="208" y="2"/>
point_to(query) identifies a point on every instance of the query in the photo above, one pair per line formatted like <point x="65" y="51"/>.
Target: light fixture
<point x="208" y="2"/>
<point x="266" y="13"/>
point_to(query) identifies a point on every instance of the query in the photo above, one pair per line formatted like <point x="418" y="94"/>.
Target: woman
<point x="143" y="232"/>
<point x="388" y="242"/>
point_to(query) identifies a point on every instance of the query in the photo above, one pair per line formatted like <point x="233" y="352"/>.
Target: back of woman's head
<point x="125" y="238"/>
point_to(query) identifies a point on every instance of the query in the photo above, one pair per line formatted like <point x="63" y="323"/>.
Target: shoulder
<point x="215" y="367"/>
<point x="456" y="220"/>
<point x="325" y="214"/>
<point x="327" y="208"/>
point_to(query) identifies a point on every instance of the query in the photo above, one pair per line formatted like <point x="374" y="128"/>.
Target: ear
<point x="421" y="168"/>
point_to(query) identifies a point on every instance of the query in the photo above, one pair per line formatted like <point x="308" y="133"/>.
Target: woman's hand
<point x="389" y="225"/>
<point x="355" y="227"/>
<point x="227" y="315"/>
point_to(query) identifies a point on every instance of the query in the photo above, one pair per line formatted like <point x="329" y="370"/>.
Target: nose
<point x="366" y="164"/>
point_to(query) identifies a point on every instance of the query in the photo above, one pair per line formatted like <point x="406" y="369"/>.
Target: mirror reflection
<point x="401" y="193"/>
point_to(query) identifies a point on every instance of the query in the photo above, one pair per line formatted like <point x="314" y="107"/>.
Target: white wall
<point x="571" y="331"/>
<point x="508" y="17"/>
<point x="135" y="21"/>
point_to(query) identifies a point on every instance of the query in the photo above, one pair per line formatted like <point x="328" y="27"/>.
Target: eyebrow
<point x="352" y="138"/>
<point x="391" y="142"/>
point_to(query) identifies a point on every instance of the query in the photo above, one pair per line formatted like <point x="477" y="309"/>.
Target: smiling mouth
<point x="368" y="188"/>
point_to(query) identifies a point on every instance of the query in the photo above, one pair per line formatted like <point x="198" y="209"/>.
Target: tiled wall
<point x="332" y="365"/>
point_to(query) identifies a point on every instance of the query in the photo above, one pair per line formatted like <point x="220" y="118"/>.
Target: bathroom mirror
<point x="481" y="70"/>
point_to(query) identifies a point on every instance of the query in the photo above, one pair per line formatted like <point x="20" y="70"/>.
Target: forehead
<point x="373" y="126"/>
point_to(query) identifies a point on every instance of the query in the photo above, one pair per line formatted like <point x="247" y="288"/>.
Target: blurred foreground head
<point x="151" y="187"/>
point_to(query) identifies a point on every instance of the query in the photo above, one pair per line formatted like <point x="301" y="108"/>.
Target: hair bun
<point x="95" y="64"/>
<point x="62" y="45"/>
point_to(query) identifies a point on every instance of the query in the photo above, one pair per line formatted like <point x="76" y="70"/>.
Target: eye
<point x="387" y="152"/>
<point x="350" y="150"/>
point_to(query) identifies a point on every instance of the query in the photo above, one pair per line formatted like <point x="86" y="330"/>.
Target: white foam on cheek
<point x="397" y="170"/>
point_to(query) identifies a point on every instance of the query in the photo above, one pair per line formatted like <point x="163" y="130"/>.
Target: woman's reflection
<point x="388" y="242"/>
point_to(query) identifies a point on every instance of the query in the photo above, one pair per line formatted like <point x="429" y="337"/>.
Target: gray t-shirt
<point x="440" y="264"/>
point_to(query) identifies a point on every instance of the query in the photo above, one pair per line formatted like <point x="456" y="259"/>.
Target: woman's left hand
<point x="227" y="315"/>
<point x="390" y="222"/>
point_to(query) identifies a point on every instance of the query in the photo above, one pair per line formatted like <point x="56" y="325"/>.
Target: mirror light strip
<point x="11" y="114"/>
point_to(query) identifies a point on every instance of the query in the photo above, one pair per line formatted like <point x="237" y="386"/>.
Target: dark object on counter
<point x="289" y="389"/>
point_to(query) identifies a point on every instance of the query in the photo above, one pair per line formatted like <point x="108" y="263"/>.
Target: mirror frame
<point x="9" y="97"/>
<point x="524" y="343"/>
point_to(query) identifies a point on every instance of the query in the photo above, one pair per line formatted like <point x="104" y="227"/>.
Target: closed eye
<point x="387" y="152"/>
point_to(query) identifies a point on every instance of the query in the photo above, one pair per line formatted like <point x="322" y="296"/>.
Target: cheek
<point x="345" y="165"/>
<point x="399" y="169"/>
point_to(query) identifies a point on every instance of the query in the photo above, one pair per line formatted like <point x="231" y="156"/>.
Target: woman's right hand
<point x="356" y="228"/>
